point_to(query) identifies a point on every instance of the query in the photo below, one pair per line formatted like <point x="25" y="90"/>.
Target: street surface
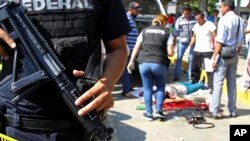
<point x="130" y="125"/>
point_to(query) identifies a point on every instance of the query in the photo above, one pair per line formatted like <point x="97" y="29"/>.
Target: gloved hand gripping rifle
<point x="47" y="67"/>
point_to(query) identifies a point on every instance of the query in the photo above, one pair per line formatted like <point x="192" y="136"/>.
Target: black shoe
<point x="131" y="89"/>
<point x="233" y="115"/>
<point x="128" y="95"/>
<point x="148" y="117"/>
<point x="159" y="114"/>
<point x="194" y="80"/>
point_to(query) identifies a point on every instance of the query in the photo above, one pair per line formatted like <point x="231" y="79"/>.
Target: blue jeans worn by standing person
<point x="226" y="69"/>
<point x="153" y="73"/>
<point x="126" y="82"/>
<point x="180" y="52"/>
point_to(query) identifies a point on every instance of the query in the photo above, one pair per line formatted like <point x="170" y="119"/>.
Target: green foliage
<point x="194" y="4"/>
<point x="211" y="5"/>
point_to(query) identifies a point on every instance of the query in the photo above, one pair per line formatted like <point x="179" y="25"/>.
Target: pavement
<point x="129" y="124"/>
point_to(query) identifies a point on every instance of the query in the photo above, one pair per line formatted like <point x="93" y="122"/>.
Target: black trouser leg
<point x="209" y="74"/>
<point x="196" y="67"/>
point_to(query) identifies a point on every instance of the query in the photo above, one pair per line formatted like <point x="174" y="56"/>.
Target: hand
<point x="6" y="38"/>
<point x="130" y="67"/>
<point x="214" y="66"/>
<point x="101" y="91"/>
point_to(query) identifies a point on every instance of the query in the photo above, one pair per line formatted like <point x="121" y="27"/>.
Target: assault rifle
<point x="47" y="66"/>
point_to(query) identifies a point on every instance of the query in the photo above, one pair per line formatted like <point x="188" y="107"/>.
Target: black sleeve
<point x="114" y="20"/>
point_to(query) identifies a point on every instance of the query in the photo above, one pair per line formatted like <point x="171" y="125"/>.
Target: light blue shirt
<point x="228" y="28"/>
<point x="183" y="28"/>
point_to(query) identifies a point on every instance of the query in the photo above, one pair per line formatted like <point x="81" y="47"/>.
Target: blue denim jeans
<point x="126" y="82"/>
<point x="153" y="73"/>
<point x="180" y="52"/>
<point x="226" y="68"/>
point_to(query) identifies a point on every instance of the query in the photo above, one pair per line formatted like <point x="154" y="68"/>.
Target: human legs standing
<point x="150" y="73"/>
<point x="180" y="52"/>
<point x="209" y="74"/>
<point x="196" y="66"/>
<point x="231" y="84"/>
<point x="219" y="76"/>
<point x="147" y="82"/>
<point x="159" y="75"/>
<point x="226" y="67"/>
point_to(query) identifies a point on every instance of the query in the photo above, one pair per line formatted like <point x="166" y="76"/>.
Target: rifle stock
<point x="31" y="45"/>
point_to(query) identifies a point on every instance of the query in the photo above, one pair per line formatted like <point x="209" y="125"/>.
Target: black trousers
<point x="198" y="60"/>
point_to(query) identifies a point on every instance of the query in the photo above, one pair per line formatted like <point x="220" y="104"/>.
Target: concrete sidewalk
<point x="130" y="125"/>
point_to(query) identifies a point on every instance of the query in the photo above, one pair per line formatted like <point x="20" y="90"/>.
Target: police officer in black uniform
<point x="75" y="29"/>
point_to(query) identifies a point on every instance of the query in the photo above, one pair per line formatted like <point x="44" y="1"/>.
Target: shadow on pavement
<point x="243" y="112"/>
<point x="126" y="132"/>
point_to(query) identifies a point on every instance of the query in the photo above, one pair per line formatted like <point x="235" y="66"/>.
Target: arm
<point x="170" y="50"/>
<point x="217" y="49"/>
<point x="214" y="58"/>
<point x="170" y="46"/>
<point x="214" y="34"/>
<point x="138" y="45"/>
<point x="113" y="67"/>
<point x="135" y="51"/>
<point x="247" y="31"/>
<point x="193" y="39"/>
<point x="219" y="41"/>
<point x="213" y="37"/>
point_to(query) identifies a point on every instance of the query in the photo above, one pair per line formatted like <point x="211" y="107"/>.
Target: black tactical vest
<point x="69" y="27"/>
<point x="154" y="45"/>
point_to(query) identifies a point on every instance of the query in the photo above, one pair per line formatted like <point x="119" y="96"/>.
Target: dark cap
<point x="135" y="5"/>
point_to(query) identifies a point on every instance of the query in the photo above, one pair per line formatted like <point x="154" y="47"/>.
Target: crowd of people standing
<point x="203" y="38"/>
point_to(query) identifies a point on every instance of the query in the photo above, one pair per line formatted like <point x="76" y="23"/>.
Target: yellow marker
<point x="6" y="138"/>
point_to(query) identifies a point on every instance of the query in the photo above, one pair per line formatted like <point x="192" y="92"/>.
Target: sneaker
<point x="233" y="115"/>
<point x="148" y="117"/>
<point x="131" y="89"/>
<point x="128" y="95"/>
<point x="159" y="114"/>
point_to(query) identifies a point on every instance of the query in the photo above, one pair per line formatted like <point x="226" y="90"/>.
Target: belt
<point x="36" y="124"/>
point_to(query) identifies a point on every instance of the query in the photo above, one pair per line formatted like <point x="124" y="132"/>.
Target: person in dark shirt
<point x="78" y="28"/>
<point x="134" y="9"/>
<point x="153" y="47"/>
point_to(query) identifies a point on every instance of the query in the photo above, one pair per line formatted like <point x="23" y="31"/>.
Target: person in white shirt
<point x="203" y="33"/>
